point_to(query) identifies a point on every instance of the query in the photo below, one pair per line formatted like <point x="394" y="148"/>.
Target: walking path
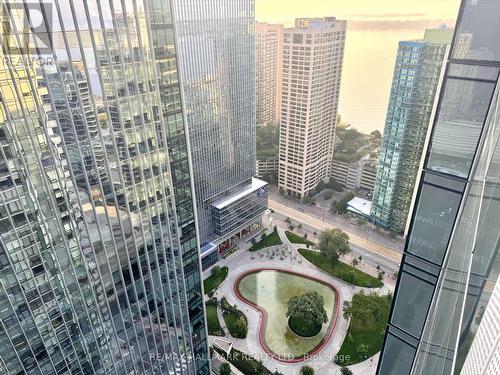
<point x="244" y="261"/>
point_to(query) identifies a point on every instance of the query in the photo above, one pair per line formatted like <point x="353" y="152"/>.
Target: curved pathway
<point x="246" y="261"/>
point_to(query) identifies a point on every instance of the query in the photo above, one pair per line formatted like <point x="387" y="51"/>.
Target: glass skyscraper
<point x="99" y="262"/>
<point x="217" y="66"/>
<point x="416" y="77"/>
<point x="451" y="262"/>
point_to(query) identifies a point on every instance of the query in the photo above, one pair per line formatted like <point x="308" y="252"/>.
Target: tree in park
<point x="333" y="243"/>
<point x="306" y="370"/>
<point x="370" y="309"/>
<point x="380" y="275"/>
<point x="240" y="328"/>
<point x="224" y="369"/>
<point x="345" y="371"/>
<point x="306" y="313"/>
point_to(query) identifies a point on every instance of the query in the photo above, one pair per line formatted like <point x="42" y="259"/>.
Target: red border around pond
<point x="263" y="322"/>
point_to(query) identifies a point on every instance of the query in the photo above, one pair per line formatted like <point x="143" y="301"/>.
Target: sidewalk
<point x="242" y="262"/>
<point x="320" y="225"/>
<point x="324" y="215"/>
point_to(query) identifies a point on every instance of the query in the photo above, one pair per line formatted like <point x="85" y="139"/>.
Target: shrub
<point x="225" y="369"/>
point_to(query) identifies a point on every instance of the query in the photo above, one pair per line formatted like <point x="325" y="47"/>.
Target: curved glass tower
<point x="99" y="261"/>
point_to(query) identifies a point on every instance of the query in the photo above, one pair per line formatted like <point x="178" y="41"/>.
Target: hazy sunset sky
<point x="373" y="33"/>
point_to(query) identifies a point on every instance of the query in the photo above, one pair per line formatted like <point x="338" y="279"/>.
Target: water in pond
<point x="271" y="290"/>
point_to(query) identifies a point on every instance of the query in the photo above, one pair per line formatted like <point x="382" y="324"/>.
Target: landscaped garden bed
<point x="213" y="323"/>
<point x="341" y="270"/>
<point x="272" y="239"/>
<point x="368" y="314"/>
<point x="236" y="321"/>
<point x="244" y="362"/>
<point x="215" y="279"/>
<point x="295" y="238"/>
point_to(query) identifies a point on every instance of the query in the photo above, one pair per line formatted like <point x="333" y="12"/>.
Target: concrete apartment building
<point x="313" y="53"/>
<point x="358" y="175"/>
<point x="267" y="166"/>
<point x="268" y="55"/>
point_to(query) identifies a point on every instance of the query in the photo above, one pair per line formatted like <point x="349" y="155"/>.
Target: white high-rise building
<point x="268" y="55"/>
<point x="313" y="52"/>
<point x="484" y="354"/>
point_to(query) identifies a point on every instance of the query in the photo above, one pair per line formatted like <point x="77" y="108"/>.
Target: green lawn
<point x="270" y="240"/>
<point x="232" y="317"/>
<point x="295" y="238"/>
<point x="212" y="282"/>
<point x="366" y="330"/>
<point x="213" y="323"/>
<point x="341" y="270"/>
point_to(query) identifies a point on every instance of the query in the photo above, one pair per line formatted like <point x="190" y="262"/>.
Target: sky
<point x="374" y="29"/>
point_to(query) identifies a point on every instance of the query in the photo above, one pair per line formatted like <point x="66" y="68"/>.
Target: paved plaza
<point x="243" y="261"/>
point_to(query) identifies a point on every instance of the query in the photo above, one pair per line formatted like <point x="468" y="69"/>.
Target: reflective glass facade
<point x="451" y="261"/>
<point x="230" y="214"/>
<point x="416" y="77"/>
<point x="99" y="263"/>
<point x="217" y="65"/>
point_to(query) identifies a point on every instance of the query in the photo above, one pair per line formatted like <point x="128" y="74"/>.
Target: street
<point x="389" y="250"/>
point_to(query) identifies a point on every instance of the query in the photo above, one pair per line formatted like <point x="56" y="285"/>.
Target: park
<point x="293" y="304"/>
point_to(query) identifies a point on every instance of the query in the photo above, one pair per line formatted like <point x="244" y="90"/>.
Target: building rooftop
<point x="360" y="206"/>
<point x="256" y="185"/>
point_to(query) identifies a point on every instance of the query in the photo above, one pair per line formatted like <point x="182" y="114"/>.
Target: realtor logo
<point x="26" y="28"/>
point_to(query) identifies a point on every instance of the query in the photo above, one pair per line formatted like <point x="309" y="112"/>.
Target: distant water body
<point x="370" y="54"/>
<point x="369" y="59"/>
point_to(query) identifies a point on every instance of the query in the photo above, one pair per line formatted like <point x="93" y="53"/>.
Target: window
<point x="458" y="127"/>
<point x="411" y="305"/>
<point x="433" y="222"/>
<point x="397" y="357"/>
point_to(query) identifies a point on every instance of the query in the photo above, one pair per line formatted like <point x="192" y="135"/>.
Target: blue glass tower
<point x="451" y="261"/>
<point x="416" y="77"/>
